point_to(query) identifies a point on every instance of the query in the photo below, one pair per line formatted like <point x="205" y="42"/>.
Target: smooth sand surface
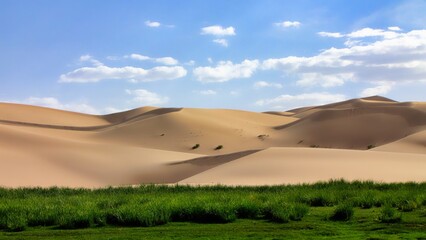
<point x="47" y="147"/>
<point x="300" y="165"/>
<point x="32" y="159"/>
<point x="18" y="113"/>
<point x="415" y="143"/>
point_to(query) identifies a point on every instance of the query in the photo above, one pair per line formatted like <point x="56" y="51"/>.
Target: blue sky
<point x="106" y="56"/>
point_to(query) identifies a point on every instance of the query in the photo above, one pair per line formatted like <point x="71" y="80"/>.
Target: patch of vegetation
<point x="367" y="200"/>
<point x="301" y="141"/>
<point x="278" y="213"/>
<point x="371" y="146"/>
<point x="218" y="147"/>
<point x="284" y="212"/>
<point x="75" y="220"/>
<point x="248" y="208"/>
<point x="262" y="136"/>
<point x="195" y="146"/>
<point x="314" y="146"/>
<point x="343" y="212"/>
<point x="155" y="205"/>
<point x="388" y="214"/>
<point x="320" y="200"/>
<point x="407" y="205"/>
<point x="139" y="215"/>
<point x="298" y="211"/>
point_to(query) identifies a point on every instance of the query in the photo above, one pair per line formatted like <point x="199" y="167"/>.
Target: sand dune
<point x="415" y="143"/>
<point x="32" y="159"/>
<point x="46" y="147"/>
<point x="355" y="128"/>
<point x="18" y="113"/>
<point x="299" y="165"/>
<point x="181" y="130"/>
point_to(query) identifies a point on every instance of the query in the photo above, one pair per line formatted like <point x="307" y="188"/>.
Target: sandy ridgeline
<point x="372" y="138"/>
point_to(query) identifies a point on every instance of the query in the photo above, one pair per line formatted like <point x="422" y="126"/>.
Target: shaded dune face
<point x="181" y="130"/>
<point x="356" y="128"/>
<point x="47" y="147"/>
<point x="415" y="143"/>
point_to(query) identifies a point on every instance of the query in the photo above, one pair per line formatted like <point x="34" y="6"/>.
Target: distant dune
<point x="372" y="138"/>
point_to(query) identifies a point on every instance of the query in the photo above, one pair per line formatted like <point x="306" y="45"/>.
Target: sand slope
<point x="354" y="124"/>
<point x="33" y="159"/>
<point x="415" y="143"/>
<point x="18" y="113"/>
<point x="299" y="165"/>
<point x="181" y="129"/>
<point x="48" y="147"/>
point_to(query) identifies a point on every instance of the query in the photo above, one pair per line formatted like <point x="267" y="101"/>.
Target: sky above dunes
<point x="107" y="56"/>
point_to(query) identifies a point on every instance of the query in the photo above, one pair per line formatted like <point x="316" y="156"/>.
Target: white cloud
<point x="145" y="97"/>
<point x="395" y="28"/>
<point x="210" y="60"/>
<point x="152" y="24"/>
<point x="88" y="58"/>
<point x="84" y="58"/>
<point x="378" y="90"/>
<point x="324" y="80"/>
<point x="351" y="42"/>
<point x="287" y="24"/>
<point x="363" y="33"/>
<point x="221" y="41"/>
<point x="96" y="74"/>
<point x="370" y="32"/>
<point x="225" y="71"/>
<point x="262" y="84"/>
<point x="167" y="61"/>
<point x="136" y="56"/>
<point x="218" y="30"/>
<point x="331" y="34"/>
<point x="52" y="102"/>
<point x="207" y="92"/>
<point x="162" y="60"/>
<point x="294" y="101"/>
<point x="392" y="57"/>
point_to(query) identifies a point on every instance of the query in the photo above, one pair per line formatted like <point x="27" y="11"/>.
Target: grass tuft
<point x="75" y="219"/>
<point x="139" y="215"/>
<point x="343" y="212"/>
<point x="13" y="218"/>
<point x="367" y="200"/>
<point x="284" y="212"/>
<point x="388" y="214"/>
<point x="298" y="211"/>
<point x="248" y="209"/>
<point x="278" y="213"/>
<point x="320" y="200"/>
<point x="407" y="205"/>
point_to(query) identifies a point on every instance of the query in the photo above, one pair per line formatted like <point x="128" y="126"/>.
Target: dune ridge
<point x="382" y="139"/>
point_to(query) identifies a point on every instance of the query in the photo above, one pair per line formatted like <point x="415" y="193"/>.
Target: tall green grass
<point x="151" y="205"/>
<point x="343" y="212"/>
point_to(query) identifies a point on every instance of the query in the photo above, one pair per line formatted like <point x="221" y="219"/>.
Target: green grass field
<point x="336" y="209"/>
